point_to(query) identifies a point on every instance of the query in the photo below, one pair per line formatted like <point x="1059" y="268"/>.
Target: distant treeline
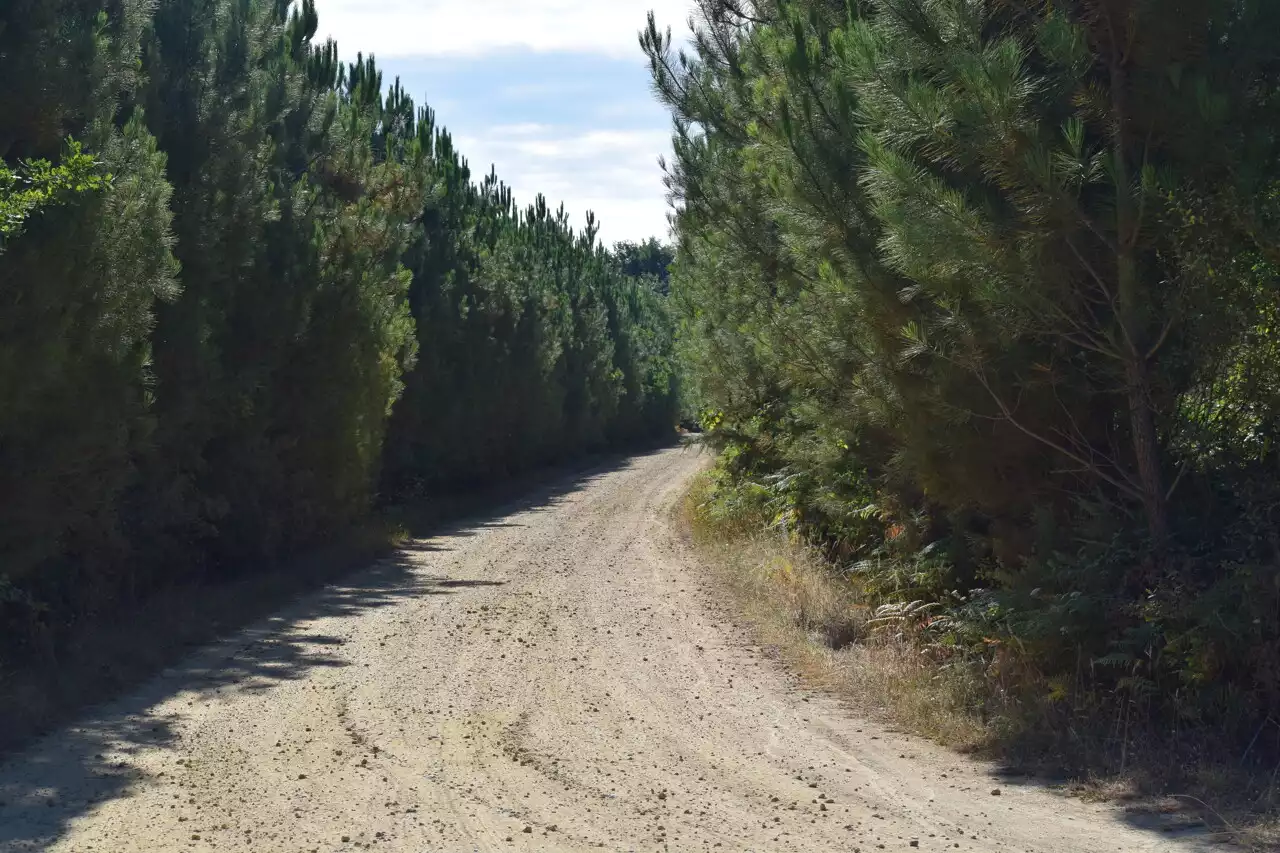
<point x="245" y="290"/>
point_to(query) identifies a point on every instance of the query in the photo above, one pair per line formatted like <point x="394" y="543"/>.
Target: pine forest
<point x="247" y="290"/>
<point x="976" y="302"/>
<point x="981" y="299"/>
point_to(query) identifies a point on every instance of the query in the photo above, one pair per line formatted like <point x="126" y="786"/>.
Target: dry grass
<point x="822" y="629"/>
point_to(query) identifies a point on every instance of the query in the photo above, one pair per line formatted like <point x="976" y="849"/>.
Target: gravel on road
<point x="560" y="676"/>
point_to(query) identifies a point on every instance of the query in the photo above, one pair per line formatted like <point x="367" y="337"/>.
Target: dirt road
<point x="559" y="677"/>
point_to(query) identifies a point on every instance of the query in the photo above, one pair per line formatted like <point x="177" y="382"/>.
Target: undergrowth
<point x="896" y="659"/>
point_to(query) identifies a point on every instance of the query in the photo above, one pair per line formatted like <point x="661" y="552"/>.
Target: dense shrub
<point x="245" y="286"/>
<point x="978" y="296"/>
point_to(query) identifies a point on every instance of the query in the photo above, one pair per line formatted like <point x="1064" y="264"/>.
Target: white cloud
<point x="391" y="28"/>
<point x="543" y="89"/>
<point x="611" y="172"/>
<point x="529" y="128"/>
<point x="552" y="92"/>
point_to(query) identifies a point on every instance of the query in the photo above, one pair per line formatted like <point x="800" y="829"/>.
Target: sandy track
<point x="557" y="678"/>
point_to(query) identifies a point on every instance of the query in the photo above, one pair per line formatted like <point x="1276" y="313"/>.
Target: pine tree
<point x="249" y="286"/>
<point x="984" y="291"/>
<point x="80" y="267"/>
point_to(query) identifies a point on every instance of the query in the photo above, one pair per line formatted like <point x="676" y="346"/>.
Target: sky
<point x="553" y="93"/>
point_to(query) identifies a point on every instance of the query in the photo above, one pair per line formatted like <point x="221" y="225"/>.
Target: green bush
<point x="978" y="297"/>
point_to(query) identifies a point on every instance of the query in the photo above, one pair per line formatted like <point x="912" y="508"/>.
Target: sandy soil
<point x="559" y="676"/>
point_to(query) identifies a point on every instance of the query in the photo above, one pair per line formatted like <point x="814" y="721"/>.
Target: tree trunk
<point x="1146" y="451"/>
<point x="1134" y="304"/>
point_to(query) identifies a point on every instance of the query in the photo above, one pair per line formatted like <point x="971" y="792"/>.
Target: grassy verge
<point x="825" y="630"/>
<point x="821" y="628"/>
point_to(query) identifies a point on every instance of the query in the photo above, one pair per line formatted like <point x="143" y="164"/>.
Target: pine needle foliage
<point x="251" y="290"/>
<point x="976" y="296"/>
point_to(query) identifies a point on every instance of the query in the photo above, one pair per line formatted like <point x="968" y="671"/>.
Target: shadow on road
<point x="63" y="776"/>
<point x="1168" y="818"/>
